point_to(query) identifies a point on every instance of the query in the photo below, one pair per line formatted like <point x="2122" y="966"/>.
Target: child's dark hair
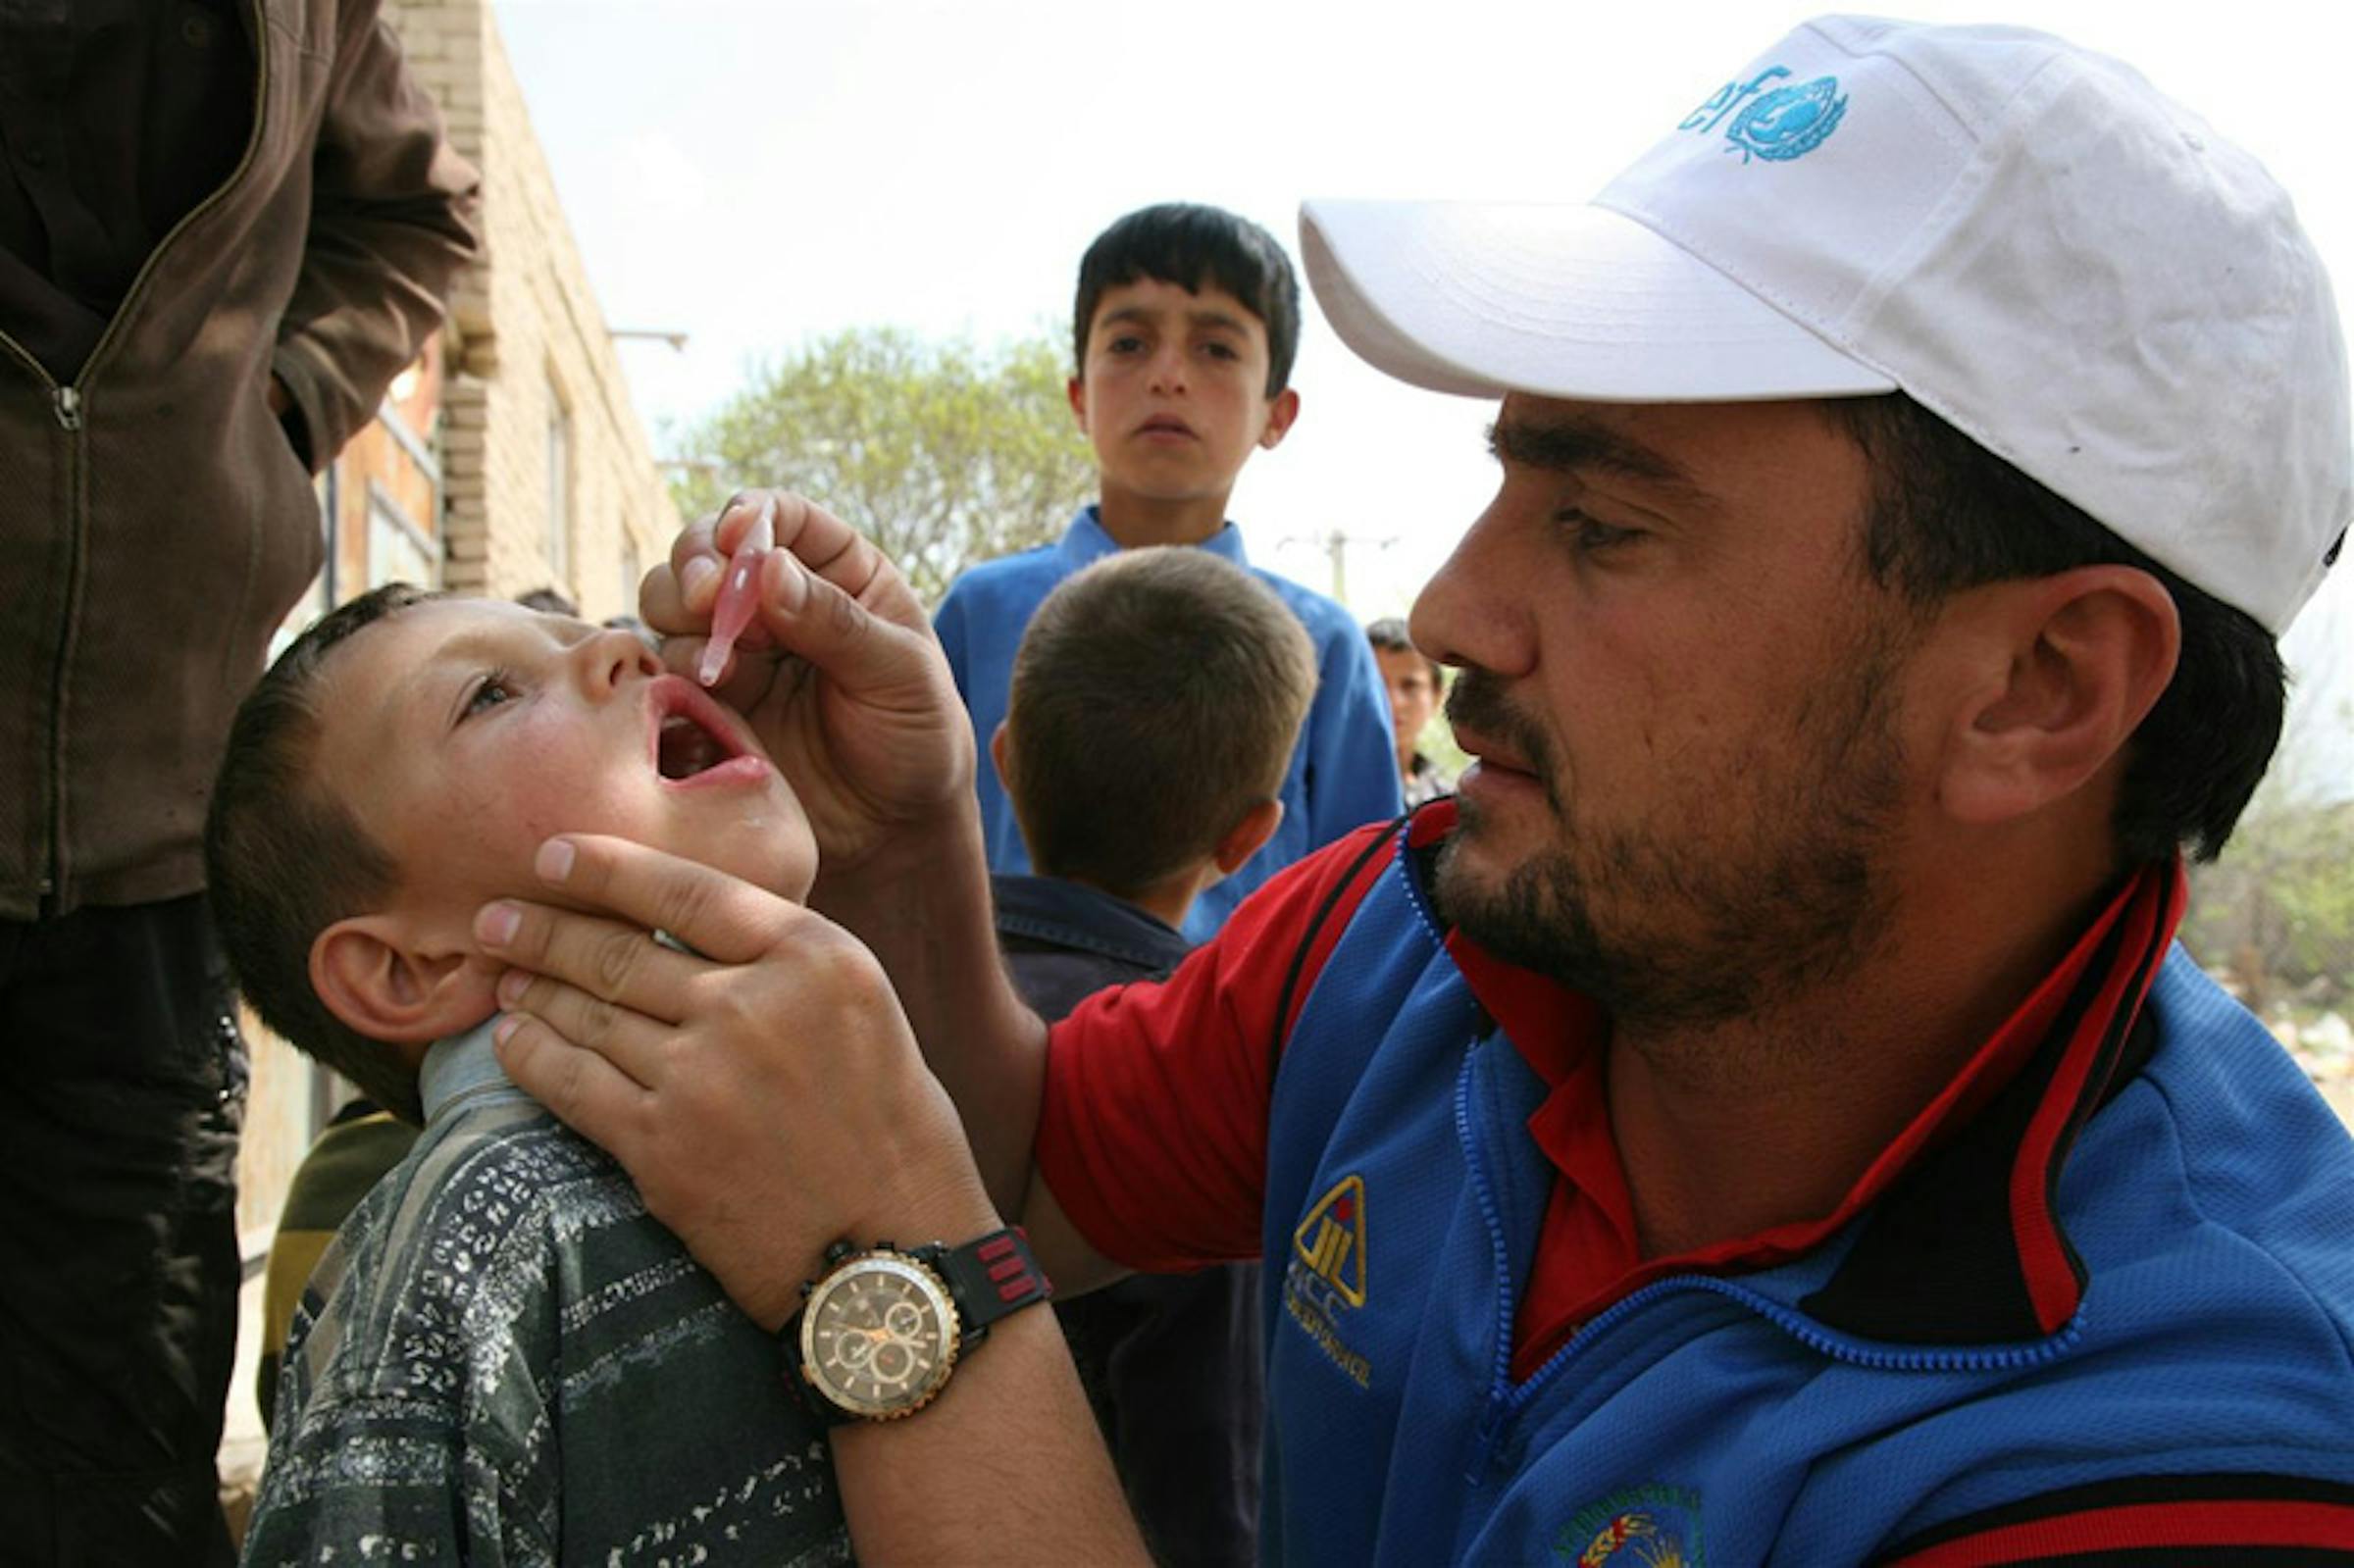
<point x="1156" y="699"/>
<point x="283" y="861"/>
<point x="1389" y="636"/>
<point x="1193" y="247"/>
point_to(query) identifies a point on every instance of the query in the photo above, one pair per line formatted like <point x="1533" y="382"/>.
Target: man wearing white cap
<point x="1767" y="1120"/>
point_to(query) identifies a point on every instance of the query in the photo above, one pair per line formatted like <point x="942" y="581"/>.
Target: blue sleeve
<point x="948" y="625"/>
<point x="1351" y="755"/>
<point x="979" y="646"/>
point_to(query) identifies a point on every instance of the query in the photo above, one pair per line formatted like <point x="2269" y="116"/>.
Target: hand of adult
<point x="764" y="1091"/>
<point x="839" y="675"/>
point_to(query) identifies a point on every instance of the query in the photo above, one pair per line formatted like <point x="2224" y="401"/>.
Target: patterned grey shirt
<point x="502" y="1361"/>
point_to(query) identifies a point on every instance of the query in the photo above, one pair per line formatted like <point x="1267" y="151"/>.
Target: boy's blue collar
<point x="462" y="1068"/>
<point x="1085" y="540"/>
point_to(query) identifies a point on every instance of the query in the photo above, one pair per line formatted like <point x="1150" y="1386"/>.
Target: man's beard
<point x="1695" y="930"/>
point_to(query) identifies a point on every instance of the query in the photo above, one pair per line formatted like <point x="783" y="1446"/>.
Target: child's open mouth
<point x="693" y="741"/>
<point x="685" y="748"/>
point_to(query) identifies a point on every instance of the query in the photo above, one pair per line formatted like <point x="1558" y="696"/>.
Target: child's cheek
<point x="559" y="774"/>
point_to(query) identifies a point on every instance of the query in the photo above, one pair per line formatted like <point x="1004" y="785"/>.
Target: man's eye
<point x="1217" y="350"/>
<point x="493" y="689"/>
<point x="1590" y="534"/>
<point x="1126" y="343"/>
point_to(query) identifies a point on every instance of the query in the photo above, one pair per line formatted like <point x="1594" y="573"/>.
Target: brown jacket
<point x="155" y="524"/>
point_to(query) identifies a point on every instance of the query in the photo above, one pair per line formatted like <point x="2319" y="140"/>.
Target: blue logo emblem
<point x="1787" y="123"/>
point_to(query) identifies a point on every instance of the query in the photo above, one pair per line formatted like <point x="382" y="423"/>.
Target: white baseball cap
<point x="2025" y="237"/>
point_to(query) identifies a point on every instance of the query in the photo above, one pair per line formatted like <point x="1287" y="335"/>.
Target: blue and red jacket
<point x="2098" y="1299"/>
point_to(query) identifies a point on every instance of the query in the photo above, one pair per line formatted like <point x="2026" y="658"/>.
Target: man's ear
<point x="1284" y="409"/>
<point x="2064" y="669"/>
<point x="373" y="975"/>
<point x="1245" y="838"/>
<point x="1076" y="391"/>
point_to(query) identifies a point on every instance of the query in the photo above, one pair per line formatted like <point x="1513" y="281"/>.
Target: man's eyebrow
<point x="1562" y="446"/>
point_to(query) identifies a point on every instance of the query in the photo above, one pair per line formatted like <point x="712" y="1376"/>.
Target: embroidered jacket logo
<point x="1331" y="1241"/>
<point x="1778" y="126"/>
<point x="1325" y="1280"/>
<point x="1642" y="1526"/>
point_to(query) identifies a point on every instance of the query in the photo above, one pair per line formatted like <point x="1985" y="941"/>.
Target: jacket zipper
<point x="253" y="145"/>
<point x="1506" y="1401"/>
<point x="69" y="402"/>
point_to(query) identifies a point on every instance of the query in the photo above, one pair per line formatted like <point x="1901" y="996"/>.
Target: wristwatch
<point x="881" y="1329"/>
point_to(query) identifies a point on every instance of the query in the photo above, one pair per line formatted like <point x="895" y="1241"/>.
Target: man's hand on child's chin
<point x="839" y="675"/>
<point x="768" y="1098"/>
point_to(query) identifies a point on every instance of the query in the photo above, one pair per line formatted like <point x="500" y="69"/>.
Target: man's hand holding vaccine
<point x="838" y="674"/>
<point x="696" y="1070"/>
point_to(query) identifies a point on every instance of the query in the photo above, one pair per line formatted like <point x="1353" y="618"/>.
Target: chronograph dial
<point x="880" y="1338"/>
<point x="881" y="1328"/>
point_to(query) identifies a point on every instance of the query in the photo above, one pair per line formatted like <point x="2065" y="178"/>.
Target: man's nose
<point x="1470" y="614"/>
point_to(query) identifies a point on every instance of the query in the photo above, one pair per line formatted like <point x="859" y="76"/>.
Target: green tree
<point x="2275" y="911"/>
<point x="942" y="453"/>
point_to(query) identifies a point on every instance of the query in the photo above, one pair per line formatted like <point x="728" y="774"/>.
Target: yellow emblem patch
<point x="1331" y="1241"/>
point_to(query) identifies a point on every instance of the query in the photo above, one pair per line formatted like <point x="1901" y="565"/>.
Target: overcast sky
<point x="753" y="174"/>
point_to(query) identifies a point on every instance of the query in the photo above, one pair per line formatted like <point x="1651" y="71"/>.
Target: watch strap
<point x="990" y="1278"/>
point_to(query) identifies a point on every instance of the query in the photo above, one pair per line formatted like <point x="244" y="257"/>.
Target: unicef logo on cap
<point x="1779" y="125"/>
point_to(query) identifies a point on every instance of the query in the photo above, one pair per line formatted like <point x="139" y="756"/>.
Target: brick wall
<point x="526" y="341"/>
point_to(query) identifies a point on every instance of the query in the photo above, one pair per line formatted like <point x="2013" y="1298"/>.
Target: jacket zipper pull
<point x="69" y="407"/>
<point x="1484" y="1436"/>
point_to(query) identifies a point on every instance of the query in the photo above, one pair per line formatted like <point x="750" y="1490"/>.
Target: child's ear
<point x="1076" y="391"/>
<point x="1280" y="413"/>
<point x="373" y="975"/>
<point x="997" y="758"/>
<point x="1246" y="837"/>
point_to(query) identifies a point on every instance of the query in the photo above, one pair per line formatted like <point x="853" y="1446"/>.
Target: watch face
<point x="879" y="1335"/>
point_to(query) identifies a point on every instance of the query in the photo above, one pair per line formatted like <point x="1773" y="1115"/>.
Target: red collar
<point x="2001" y="1127"/>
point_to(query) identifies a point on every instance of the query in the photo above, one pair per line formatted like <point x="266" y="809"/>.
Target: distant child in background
<point x="1185" y="327"/>
<point x="1153" y="703"/>
<point x="1413" y="679"/>
<point x="499" y="1338"/>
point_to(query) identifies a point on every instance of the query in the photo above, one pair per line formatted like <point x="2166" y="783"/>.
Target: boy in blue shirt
<point x="1153" y="707"/>
<point x="1184" y="331"/>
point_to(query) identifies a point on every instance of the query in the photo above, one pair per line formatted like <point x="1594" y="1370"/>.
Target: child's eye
<point x="1216" y="351"/>
<point x="1125" y="343"/>
<point x="489" y="693"/>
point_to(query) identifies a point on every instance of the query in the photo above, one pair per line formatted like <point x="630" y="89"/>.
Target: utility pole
<point x="1335" y="546"/>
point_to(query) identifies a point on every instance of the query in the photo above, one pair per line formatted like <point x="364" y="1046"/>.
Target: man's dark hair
<point x="1154" y="700"/>
<point x="283" y="861"/>
<point x="1947" y="515"/>
<point x="548" y="601"/>
<point x="1389" y="634"/>
<point x="1196" y="247"/>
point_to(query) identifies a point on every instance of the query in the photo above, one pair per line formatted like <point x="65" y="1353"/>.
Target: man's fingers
<point x="586" y="1092"/>
<point x="612" y="960"/>
<point x="808" y="614"/>
<point x="726" y="920"/>
<point x="623" y="1037"/>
